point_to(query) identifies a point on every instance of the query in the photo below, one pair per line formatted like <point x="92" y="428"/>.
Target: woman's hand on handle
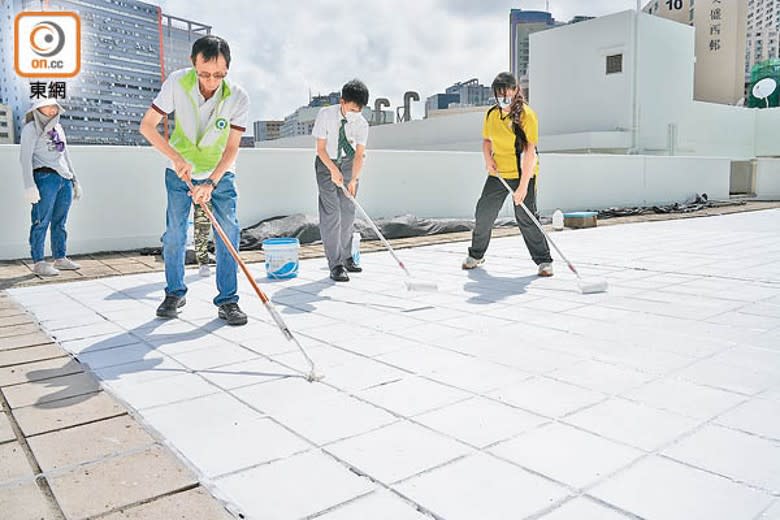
<point x="520" y="193"/>
<point x="492" y="167"/>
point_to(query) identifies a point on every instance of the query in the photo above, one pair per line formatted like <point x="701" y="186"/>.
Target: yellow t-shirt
<point x="498" y="129"/>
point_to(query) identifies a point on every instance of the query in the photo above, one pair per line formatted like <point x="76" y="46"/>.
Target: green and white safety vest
<point x="201" y="144"/>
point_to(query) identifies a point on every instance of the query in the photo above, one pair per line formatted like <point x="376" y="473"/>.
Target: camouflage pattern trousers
<point x="201" y="233"/>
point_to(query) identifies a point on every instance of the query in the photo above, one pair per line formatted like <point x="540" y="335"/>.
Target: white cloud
<point x="283" y="49"/>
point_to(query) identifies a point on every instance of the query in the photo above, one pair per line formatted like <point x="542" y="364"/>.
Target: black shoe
<point x="352" y="267"/>
<point x="339" y="274"/>
<point x="232" y="314"/>
<point x="169" y="308"/>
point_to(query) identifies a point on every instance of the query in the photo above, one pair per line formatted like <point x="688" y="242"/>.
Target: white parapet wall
<point x="768" y="179"/>
<point x="592" y="181"/>
<point x="124" y="202"/>
<point x="767" y="131"/>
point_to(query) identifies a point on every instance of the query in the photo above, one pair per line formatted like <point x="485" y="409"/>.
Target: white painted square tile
<point x="584" y="509"/>
<point x="296" y="487"/>
<point x="480" y="486"/>
<point x="684" y="398"/>
<point x="739" y="456"/>
<point x="379" y="505"/>
<point x="568" y="455"/>
<point x="480" y="422"/>
<point x="219" y="435"/>
<point x="757" y="416"/>
<point x="547" y="397"/>
<point x="412" y="395"/>
<point x="661" y="489"/>
<point x="397" y="452"/>
<point x="337" y="417"/>
<point x="633" y="424"/>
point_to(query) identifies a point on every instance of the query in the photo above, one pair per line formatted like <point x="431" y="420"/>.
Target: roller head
<point x="417" y="285"/>
<point x="594" y="285"/>
<point x="313" y="377"/>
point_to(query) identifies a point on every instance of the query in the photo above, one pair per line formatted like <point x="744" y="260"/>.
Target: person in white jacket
<point x="50" y="184"/>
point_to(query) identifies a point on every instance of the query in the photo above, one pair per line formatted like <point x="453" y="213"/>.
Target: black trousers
<point x="490" y="202"/>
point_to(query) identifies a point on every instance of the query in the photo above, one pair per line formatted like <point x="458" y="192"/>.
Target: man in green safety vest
<point x="211" y="115"/>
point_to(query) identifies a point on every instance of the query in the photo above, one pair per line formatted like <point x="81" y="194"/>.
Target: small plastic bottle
<point x="557" y="220"/>
<point x="356" y="247"/>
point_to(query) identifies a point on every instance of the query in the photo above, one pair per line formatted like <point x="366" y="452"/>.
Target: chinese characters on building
<point x="716" y="14"/>
<point x="51" y="90"/>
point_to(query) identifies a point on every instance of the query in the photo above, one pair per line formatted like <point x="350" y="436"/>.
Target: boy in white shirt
<point x="341" y="132"/>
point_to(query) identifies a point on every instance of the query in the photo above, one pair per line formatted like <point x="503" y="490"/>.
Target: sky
<point x="281" y="50"/>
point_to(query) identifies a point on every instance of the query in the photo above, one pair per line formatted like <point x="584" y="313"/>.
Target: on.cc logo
<point x="47" y="39"/>
<point x="47" y="44"/>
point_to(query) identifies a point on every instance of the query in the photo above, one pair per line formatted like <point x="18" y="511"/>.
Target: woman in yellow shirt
<point x="509" y="137"/>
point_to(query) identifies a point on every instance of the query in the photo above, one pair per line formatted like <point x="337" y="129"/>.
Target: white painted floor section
<point x="502" y="396"/>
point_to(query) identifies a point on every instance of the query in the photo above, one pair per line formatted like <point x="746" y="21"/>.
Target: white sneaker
<point x="471" y="263"/>
<point x="204" y="270"/>
<point x="545" y="269"/>
<point x="45" y="269"/>
<point x="66" y="264"/>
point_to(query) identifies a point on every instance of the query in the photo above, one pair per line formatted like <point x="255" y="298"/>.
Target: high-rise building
<point x="471" y="92"/>
<point x="178" y="36"/>
<point x="463" y="94"/>
<point x="299" y="122"/>
<point x="324" y="101"/>
<point x="121" y="66"/>
<point x="677" y="10"/>
<point x="6" y="125"/>
<point x="522" y="24"/>
<point x="267" y="130"/>
<point x="763" y="32"/>
<point x="440" y="102"/>
<point x="721" y="26"/>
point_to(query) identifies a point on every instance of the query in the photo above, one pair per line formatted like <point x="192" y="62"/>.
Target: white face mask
<point x="352" y="116"/>
<point x="504" y="102"/>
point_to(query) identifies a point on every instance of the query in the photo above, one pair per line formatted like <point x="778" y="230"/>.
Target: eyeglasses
<point x="55" y="140"/>
<point x="216" y="75"/>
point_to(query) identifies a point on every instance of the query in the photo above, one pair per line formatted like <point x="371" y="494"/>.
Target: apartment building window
<point x="614" y="64"/>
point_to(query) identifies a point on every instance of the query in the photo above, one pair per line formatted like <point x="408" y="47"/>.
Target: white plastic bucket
<point x="281" y="257"/>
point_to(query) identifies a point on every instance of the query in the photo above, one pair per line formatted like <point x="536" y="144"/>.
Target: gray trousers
<point x="493" y="196"/>
<point x="337" y="213"/>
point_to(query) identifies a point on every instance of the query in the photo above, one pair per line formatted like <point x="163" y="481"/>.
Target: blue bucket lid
<point x="580" y="214"/>
<point x="283" y="241"/>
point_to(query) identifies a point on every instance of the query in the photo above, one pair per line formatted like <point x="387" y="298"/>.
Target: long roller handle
<point x="533" y="218"/>
<point x="376" y="229"/>
<point x="266" y="301"/>
<point x="231" y="249"/>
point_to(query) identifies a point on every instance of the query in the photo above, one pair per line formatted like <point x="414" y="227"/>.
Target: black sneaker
<point x="352" y="267"/>
<point x="169" y="308"/>
<point x="339" y="274"/>
<point x="232" y="314"/>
